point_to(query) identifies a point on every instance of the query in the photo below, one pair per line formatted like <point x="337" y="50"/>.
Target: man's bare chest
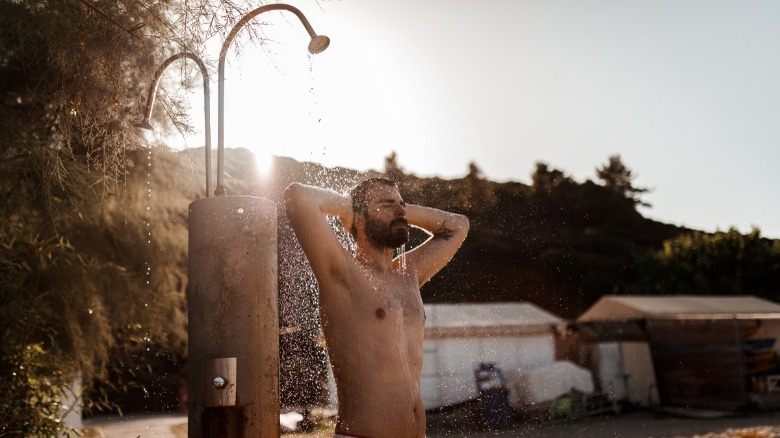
<point x="392" y="299"/>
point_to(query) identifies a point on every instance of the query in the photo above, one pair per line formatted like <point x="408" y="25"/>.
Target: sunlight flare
<point x="263" y="162"/>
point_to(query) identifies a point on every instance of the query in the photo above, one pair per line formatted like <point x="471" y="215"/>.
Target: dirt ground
<point x="639" y="424"/>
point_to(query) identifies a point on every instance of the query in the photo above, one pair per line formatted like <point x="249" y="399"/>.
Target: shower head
<point x="318" y="44"/>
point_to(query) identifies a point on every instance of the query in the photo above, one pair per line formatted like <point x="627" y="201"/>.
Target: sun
<point x="263" y="163"/>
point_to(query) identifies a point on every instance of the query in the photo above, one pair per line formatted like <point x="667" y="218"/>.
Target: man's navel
<point x="380" y="313"/>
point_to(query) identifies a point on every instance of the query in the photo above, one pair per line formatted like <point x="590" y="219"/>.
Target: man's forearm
<point x="441" y="224"/>
<point x="329" y="202"/>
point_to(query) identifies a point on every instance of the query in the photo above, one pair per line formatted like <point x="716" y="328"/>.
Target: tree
<point x="70" y="77"/>
<point x="392" y="169"/>
<point x="477" y="194"/>
<point x="618" y="178"/>
<point x="727" y="263"/>
<point x="546" y="180"/>
<point x="80" y="271"/>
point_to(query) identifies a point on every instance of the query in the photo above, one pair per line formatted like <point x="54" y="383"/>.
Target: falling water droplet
<point x="147" y="220"/>
<point x="402" y="257"/>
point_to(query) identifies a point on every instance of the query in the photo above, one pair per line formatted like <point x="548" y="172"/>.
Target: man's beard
<point x="387" y="236"/>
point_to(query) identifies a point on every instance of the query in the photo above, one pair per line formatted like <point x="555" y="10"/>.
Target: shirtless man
<point x="370" y="306"/>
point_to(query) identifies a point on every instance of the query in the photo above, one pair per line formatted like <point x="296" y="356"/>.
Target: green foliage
<point x="29" y="404"/>
<point x="44" y="300"/>
<point x="726" y="263"/>
<point x="40" y="306"/>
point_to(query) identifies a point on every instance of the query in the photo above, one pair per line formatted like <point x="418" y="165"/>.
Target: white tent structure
<point x="458" y="337"/>
<point x="623" y="308"/>
<point x="701" y="351"/>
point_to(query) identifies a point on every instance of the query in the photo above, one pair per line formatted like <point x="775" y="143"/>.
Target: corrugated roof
<point x="627" y="307"/>
<point x="488" y="315"/>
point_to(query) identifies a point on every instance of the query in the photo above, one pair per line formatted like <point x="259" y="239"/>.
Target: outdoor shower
<point x="232" y="294"/>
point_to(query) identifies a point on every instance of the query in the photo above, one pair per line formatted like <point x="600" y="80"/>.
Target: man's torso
<point x="374" y="326"/>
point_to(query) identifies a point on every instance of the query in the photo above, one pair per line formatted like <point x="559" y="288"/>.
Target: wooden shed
<point x="714" y="352"/>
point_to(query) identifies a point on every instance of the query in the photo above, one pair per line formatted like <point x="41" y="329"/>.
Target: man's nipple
<point x="380" y="313"/>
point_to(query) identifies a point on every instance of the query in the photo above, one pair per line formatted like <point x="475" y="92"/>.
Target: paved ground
<point x="134" y="426"/>
<point x="643" y="424"/>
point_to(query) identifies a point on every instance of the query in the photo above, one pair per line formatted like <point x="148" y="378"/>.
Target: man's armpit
<point x="337" y="276"/>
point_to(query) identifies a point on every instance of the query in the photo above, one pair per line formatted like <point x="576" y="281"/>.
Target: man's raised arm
<point x="448" y="231"/>
<point x="306" y="207"/>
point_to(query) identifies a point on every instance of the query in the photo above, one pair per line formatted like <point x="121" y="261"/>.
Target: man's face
<point x="385" y="224"/>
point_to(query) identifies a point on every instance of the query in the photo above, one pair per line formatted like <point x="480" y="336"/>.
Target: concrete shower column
<point x="233" y="313"/>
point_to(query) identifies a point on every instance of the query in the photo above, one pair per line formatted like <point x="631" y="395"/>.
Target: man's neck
<point x="373" y="256"/>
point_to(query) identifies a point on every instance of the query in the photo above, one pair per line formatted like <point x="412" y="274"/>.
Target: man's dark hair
<point x="359" y="195"/>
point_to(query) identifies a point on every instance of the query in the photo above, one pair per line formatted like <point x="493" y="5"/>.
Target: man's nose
<point x="400" y="210"/>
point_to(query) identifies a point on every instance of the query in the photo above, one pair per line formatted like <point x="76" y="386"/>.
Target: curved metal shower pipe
<point x="146" y="122"/>
<point x="317" y="44"/>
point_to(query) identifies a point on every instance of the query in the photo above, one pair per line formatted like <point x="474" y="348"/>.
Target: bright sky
<point x="686" y="91"/>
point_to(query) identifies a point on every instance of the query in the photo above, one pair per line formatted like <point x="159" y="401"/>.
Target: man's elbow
<point x="292" y="195"/>
<point x="462" y="223"/>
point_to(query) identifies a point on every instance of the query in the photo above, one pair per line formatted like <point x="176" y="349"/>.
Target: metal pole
<point x="147" y="124"/>
<point x="318" y="44"/>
